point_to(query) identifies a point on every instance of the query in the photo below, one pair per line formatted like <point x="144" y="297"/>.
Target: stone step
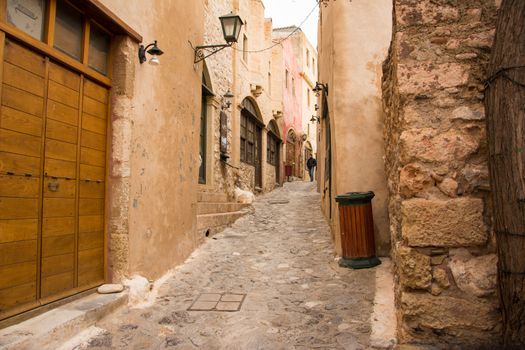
<point x="51" y="328"/>
<point x="205" y="197"/>
<point x="216" y="208"/>
<point x="209" y="221"/>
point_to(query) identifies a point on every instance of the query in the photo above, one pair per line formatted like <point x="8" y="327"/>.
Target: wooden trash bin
<point x="357" y="230"/>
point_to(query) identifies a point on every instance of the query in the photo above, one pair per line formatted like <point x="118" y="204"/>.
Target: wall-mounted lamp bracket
<point x="205" y="51"/>
<point x="315" y="119"/>
<point x="320" y="87"/>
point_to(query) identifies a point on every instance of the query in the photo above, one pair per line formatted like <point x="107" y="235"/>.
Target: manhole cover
<point x="225" y="302"/>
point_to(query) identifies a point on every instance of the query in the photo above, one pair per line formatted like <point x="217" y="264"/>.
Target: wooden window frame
<point x="88" y="8"/>
<point x="248" y="139"/>
<point x="271" y="149"/>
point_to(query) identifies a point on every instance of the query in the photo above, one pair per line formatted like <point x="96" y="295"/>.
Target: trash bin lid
<point x="352" y="198"/>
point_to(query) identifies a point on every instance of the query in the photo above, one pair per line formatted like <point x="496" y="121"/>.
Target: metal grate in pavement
<point x="224" y="302"/>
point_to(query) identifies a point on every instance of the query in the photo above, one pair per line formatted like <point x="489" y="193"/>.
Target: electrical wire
<point x="280" y="41"/>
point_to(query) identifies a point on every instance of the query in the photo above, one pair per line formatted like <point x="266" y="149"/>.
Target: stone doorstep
<point x="206" y="221"/>
<point x="50" y="329"/>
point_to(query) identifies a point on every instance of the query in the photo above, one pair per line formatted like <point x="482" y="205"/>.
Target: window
<point x="98" y="49"/>
<point x="202" y="138"/>
<point x="244" y="120"/>
<point x="28" y="16"/>
<point x="270" y="78"/>
<point x="307" y="58"/>
<point x="245" y="48"/>
<point x="308" y="96"/>
<point x="293" y="86"/>
<point x="271" y="149"/>
<point x="286" y="74"/>
<point x="65" y="28"/>
<point x="248" y="134"/>
<point x="68" y="30"/>
<point x="269" y="83"/>
<point x="313" y="65"/>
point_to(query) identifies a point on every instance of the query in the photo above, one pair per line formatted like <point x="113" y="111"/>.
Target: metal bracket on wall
<point x="205" y="51"/>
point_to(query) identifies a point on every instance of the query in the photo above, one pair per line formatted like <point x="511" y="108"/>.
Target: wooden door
<point x="258" y="156"/>
<point x="290" y="156"/>
<point x="52" y="171"/>
<point x="22" y="114"/>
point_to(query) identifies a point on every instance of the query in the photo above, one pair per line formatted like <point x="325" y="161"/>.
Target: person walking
<point x="311" y="163"/>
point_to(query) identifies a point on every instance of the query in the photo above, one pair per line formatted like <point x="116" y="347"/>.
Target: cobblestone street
<point x="280" y="257"/>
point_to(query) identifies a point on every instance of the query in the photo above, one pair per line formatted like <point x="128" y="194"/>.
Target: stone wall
<point x="436" y="161"/>
<point x="269" y="178"/>
<point x="221" y="177"/>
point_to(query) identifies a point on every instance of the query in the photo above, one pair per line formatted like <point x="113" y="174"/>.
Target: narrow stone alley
<point x="280" y="257"/>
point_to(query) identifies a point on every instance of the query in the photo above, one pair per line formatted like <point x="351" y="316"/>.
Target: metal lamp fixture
<point x="227" y="100"/>
<point x="320" y="87"/>
<point x="231" y="28"/>
<point x="154" y="51"/>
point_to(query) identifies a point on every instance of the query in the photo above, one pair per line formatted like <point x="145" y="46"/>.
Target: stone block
<point x="449" y="187"/>
<point x="437" y="223"/>
<point x="440" y="276"/>
<point x="449" y="313"/>
<point x="469" y="113"/>
<point x="425" y="77"/>
<point x="481" y="40"/>
<point x="425" y="13"/>
<point x="413" y="268"/>
<point x="413" y="179"/>
<point x="474" y="275"/>
<point x="429" y="146"/>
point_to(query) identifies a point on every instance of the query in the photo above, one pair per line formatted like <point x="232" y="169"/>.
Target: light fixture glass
<point x="154" y="61"/>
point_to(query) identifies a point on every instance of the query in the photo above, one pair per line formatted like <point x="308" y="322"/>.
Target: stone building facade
<point x="423" y="137"/>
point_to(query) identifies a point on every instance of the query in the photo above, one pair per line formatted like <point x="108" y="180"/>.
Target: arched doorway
<point x="291" y="140"/>
<point x="251" y="138"/>
<point x="273" y="147"/>
<point x="207" y="93"/>
<point x="308" y="151"/>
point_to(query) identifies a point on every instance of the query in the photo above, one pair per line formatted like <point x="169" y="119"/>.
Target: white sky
<point x="292" y="12"/>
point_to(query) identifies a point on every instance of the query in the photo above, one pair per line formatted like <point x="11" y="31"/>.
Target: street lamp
<point x="227" y="100"/>
<point x="231" y="28"/>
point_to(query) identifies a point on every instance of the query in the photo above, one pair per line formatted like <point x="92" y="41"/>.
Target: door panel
<point x="21" y="125"/>
<point x="52" y="180"/>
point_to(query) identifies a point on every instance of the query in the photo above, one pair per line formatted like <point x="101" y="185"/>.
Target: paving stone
<point x="209" y="297"/>
<point x="228" y="306"/>
<point x="203" y="305"/>
<point x="232" y="297"/>
<point x="292" y="301"/>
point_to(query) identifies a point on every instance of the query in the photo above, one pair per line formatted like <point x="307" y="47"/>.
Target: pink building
<point x="287" y="100"/>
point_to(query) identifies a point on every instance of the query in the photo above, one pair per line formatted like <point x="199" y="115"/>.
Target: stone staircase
<point x="215" y="212"/>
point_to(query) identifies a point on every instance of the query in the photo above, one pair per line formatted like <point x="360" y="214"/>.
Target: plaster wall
<point x="154" y="140"/>
<point x="354" y="41"/>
